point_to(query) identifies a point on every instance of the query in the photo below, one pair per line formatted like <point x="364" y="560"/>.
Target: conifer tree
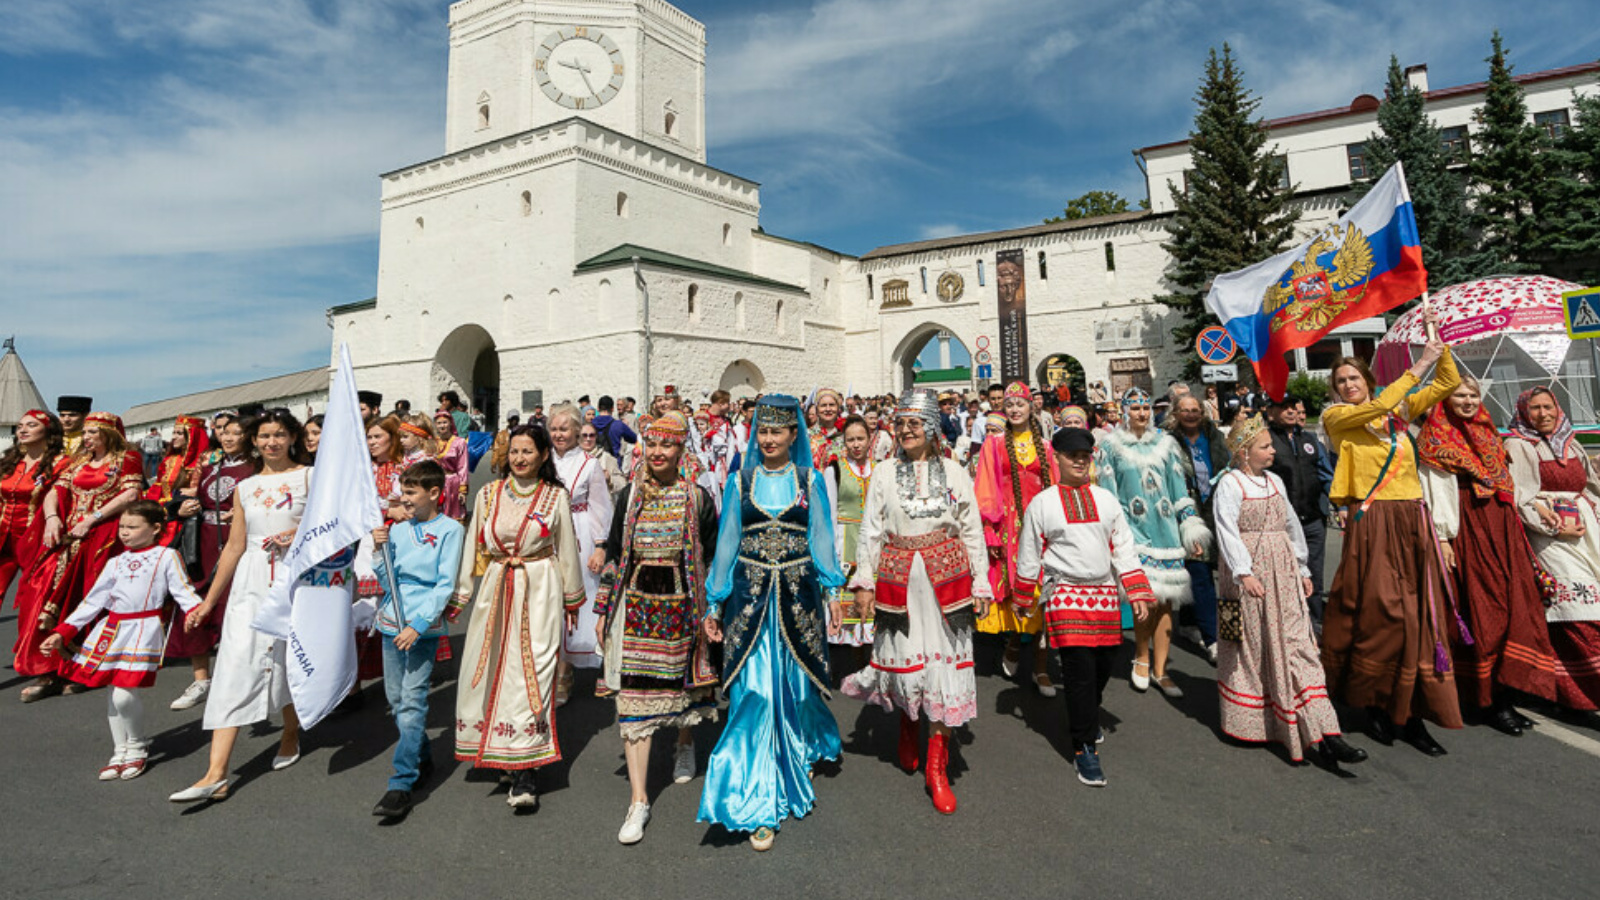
<point x="1506" y="169"/>
<point x="1236" y="212"/>
<point x="1438" y="194"/>
<point x="1568" y="240"/>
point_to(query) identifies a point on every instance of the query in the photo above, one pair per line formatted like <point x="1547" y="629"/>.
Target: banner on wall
<point x="1010" y="281"/>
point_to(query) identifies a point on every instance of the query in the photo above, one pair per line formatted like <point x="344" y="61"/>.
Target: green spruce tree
<point x="1568" y="242"/>
<point x="1438" y="194"/>
<point x="1235" y="213"/>
<point x="1506" y="169"/>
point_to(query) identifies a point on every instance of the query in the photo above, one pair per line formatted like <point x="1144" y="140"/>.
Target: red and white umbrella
<point x="1508" y="331"/>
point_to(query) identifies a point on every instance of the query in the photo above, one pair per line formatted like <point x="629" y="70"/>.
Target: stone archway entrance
<point x="947" y="366"/>
<point x="1060" y="369"/>
<point x="742" y="379"/>
<point x="468" y="363"/>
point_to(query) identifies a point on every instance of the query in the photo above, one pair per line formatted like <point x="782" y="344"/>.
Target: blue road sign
<point x="986" y="371"/>
<point x="1582" y="309"/>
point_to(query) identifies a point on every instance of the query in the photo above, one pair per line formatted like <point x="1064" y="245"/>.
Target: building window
<point x="1044" y="269"/>
<point x="738" y="310"/>
<point x="1282" y="162"/>
<point x="1111" y="257"/>
<point x="419" y="223"/>
<point x="1357" y="156"/>
<point x="669" y="120"/>
<point x="694" y="294"/>
<point x="779" y="317"/>
<point x="727" y="235"/>
<point x="1186" y="182"/>
<point x="483" y="116"/>
<point x="622" y="204"/>
<point x="869" y="286"/>
<point x="1553" y="123"/>
<point x="527" y="203"/>
<point x="1457" y="145"/>
<point x="980" y="273"/>
<point x="924" y="279"/>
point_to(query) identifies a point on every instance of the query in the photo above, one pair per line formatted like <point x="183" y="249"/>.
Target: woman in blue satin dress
<point x="765" y="600"/>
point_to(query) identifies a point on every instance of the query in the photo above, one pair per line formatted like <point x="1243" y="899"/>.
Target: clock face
<point x="579" y="67"/>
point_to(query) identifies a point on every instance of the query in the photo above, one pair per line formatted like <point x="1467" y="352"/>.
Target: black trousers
<point x="1086" y="671"/>
<point x="1317" y="546"/>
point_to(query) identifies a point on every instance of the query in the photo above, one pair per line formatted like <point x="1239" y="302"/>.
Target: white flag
<point x="309" y="606"/>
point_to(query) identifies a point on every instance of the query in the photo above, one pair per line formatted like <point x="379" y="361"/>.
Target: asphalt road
<point x="1185" y="814"/>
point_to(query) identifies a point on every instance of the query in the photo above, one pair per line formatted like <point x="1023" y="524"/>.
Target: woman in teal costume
<point x="774" y="566"/>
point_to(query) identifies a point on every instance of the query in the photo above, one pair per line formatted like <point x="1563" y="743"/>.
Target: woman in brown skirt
<point x="1466" y="476"/>
<point x="1385" y="631"/>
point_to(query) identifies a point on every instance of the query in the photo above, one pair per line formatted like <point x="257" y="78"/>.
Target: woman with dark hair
<point x="775" y="561"/>
<point x="27" y="472"/>
<point x="1387" y="623"/>
<point x="388" y="455"/>
<point x="523" y="545"/>
<point x="249" y="680"/>
<point x="848" y="475"/>
<point x="212" y="501"/>
<point x="313" y="437"/>
<point x="1557" y="495"/>
<point x="79" y="538"/>
<point x="1466" y="478"/>
<point x="181" y="465"/>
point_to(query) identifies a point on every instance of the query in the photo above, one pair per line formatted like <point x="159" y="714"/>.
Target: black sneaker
<point x="523" y="793"/>
<point x="1087" y="762"/>
<point x="394" y="803"/>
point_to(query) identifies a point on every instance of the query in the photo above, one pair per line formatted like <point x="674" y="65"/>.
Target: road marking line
<point x="1564" y="734"/>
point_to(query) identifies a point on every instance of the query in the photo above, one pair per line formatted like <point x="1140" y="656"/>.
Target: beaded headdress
<point x="105" y="420"/>
<point x="1245" y="432"/>
<point x="778" y="410"/>
<point x="1017" y="389"/>
<point x="1136" y="397"/>
<point x="919" y="403"/>
<point x="672" y="427"/>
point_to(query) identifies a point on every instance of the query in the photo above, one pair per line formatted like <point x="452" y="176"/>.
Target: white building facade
<point x="572" y="240"/>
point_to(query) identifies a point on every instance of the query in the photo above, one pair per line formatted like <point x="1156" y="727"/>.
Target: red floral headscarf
<point x="1469" y="447"/>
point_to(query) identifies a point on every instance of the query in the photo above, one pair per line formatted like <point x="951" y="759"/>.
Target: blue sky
<point x="186" y="186"/>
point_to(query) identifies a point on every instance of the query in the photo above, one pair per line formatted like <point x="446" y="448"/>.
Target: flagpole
<point x="1429" y="328"/>
<point x="394" y="587"/>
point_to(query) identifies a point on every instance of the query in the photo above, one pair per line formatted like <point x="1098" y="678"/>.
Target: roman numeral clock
<point x="579" y="67"/>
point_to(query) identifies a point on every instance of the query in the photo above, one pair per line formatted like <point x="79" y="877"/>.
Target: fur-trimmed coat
<point x="1147" y="474"/>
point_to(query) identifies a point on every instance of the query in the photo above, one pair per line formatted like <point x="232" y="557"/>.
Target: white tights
<point x="125" y="712"/>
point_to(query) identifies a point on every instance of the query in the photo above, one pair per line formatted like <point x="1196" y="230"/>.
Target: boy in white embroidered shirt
<point x="124" y="649"/>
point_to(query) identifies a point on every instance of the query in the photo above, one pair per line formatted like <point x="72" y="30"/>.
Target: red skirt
<point x="58" y="580"/>
<point x="1499" y="595"/>
<point x="1577" y="646"/>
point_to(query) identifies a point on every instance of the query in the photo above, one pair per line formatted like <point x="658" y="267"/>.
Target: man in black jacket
<point x="1295" y="461"/>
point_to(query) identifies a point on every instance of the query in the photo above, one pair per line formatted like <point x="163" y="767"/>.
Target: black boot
<point x="1336" y="746"/>
<point x="1416" y="734"/>
<point x="1523" y="722"/>
<point x="1500" y="718"/>
<point x="1379" y="728"/>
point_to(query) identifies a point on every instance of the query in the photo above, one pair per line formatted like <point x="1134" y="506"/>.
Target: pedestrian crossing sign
<point x="1582" y="312"/>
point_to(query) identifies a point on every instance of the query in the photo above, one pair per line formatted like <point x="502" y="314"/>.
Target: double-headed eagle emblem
<point x="1316" y="289"/>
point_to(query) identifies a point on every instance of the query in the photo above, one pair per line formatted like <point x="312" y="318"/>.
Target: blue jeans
<point x="1205" y="599"/>
<point x="406" y="675"/>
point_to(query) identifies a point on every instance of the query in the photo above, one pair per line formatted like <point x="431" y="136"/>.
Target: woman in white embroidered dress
<point x="585" y="481"/>
<point x="923" y="562"/>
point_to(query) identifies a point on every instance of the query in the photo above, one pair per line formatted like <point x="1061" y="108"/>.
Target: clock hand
<point x="583" y="72"/>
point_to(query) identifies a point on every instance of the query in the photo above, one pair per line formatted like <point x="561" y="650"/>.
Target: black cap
<point x="370" y="398"/>
<point x="1072" y="440"/>
<point x="73" y="404"/>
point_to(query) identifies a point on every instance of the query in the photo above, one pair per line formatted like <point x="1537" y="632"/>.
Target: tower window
<point x="483" y="115"/>
<point x="924" y="279"/>
<point x="694" y="294"/>
<point x="622" y="204"/>
<point x="738" y="310"/>
<point x="779" y="317"/>
<point x="1044" y="270"/>
<point x="869" y="286"/>
<point x="980" y="273"/>
<point x="419" y="223"/>
<point x="527" y="203"/>
<point x="727" y="235"/>
<point x="1111" y="257"/>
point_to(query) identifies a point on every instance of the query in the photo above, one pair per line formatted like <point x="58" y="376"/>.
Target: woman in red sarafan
<point x="80" y="537"/>
<point x="27" y="471"/>
<point x="201" y="485"/>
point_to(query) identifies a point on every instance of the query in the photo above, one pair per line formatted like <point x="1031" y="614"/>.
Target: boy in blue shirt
<point x="426" y="552"/>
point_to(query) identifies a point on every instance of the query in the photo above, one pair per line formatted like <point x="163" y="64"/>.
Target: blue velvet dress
<point x="774" y="561"/>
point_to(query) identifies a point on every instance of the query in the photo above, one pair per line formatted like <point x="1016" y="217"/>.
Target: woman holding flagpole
<point x="1387" y="626"/>
<point x="248" y="678"/>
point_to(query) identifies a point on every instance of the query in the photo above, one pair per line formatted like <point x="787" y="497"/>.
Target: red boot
<point x="938" y="785"/>
<point x="908" y="743"/>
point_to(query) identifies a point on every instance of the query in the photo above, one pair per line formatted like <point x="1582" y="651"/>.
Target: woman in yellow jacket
<point x="1386" y="632"/>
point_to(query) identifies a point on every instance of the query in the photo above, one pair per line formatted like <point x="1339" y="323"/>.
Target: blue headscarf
<point x="779" y="409"/>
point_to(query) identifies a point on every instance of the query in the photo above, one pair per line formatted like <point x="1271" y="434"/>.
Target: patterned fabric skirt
<point x="1384" y="628"/>
<point x="657" y="632"/>
<point x="119" y="651"/>
<point x="1577" y="647"/>
<point x="1083" y="615"/>
<point x="1270" y="683"/>
<point x="854" y="630"/>
<point x="925" y="671"/>
<point x="505" y="692"/>
<point x="1499" y="594"/>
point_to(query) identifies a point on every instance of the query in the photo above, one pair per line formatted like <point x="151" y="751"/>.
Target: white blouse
<point x="884" y="515"/>
<point x="1232" y="490"/>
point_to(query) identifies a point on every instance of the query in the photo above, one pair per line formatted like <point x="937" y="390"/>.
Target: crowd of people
<point x="743" y="560"/>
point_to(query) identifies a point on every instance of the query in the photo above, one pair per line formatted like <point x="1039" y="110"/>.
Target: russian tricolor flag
<point x="1367" y="263"/>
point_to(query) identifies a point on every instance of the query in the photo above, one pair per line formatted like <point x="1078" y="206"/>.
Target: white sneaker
<point x="633" y="826"/>
<point x="683" y="770"/>
<point x="1211" y="653"/>
<point x="193" y="695"/>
